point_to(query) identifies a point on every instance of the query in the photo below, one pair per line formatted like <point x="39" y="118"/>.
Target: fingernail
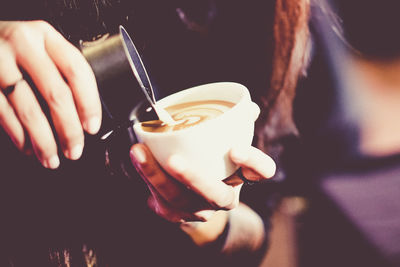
<point x="239" y="154"/>
<point x="92" y="126"/>
<point x="177" y="163"/>
<point x="138" y="155"/>
<point x="75" y="153"/>
<point x="52" y="163"/>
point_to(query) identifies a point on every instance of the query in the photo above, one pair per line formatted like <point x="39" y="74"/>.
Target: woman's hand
<point x="62" y="77"/>
<point x="180" y="195"/>
<point x="186" y="197"/>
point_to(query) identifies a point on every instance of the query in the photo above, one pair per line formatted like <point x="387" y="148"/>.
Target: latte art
<point x="189" y="114"/>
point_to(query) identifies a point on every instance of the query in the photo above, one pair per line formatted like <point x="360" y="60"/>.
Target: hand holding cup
<point x="190" y="170"/>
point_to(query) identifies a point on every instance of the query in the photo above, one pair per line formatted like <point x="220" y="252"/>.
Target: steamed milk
<point x="189" y="114"/>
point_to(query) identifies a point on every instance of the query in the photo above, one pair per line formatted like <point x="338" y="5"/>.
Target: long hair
<point x="291" y="51"/>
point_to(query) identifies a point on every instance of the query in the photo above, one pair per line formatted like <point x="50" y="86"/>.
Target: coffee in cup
<point x="209" y="119"/>
<point x="189" y="114"/>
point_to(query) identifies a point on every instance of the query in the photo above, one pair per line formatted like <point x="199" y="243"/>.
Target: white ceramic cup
<point x="206" y="146"/>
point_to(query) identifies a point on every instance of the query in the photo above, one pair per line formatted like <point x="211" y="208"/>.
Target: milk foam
<point x="189" y="114"/>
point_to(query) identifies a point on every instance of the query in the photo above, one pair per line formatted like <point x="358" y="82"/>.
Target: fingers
<point x="169" y="199"/>
<point x="188" y="196"/>
<point x="172" y="214"/>
<point x="216" y="192"/>
<point x="8" y="118"/>
<point x="256" y="164"/>
<point x="168" y="188"/>
<point x="55" y="91"/>
<point x="23" y="111"/>
<point x="80" y="78"/>
<point x="63" y="78"/>
<point x="11" y="124"/>
<point x="35" y="122"/>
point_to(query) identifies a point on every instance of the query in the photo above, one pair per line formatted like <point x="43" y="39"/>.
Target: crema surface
<point x="189" y="114"/>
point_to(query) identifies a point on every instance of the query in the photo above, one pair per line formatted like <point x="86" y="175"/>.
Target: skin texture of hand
<point x="201" y="206"/>
<point x="186" y="197"/>
<point x="63" y="78"/>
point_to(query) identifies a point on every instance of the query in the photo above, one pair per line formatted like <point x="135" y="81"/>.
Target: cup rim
<point x="245" y="96"/>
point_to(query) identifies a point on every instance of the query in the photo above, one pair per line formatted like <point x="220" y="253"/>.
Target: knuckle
<point x="29" y="114"/>
<point x="42" y="25"/>
<point x="26" y="34"/>
<point x="21" y="32"/>
<point x="71" y="71"/>
<point x="58" y="96"/>
<point x="148" y="170"/>
<point x="5" y="51"/>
